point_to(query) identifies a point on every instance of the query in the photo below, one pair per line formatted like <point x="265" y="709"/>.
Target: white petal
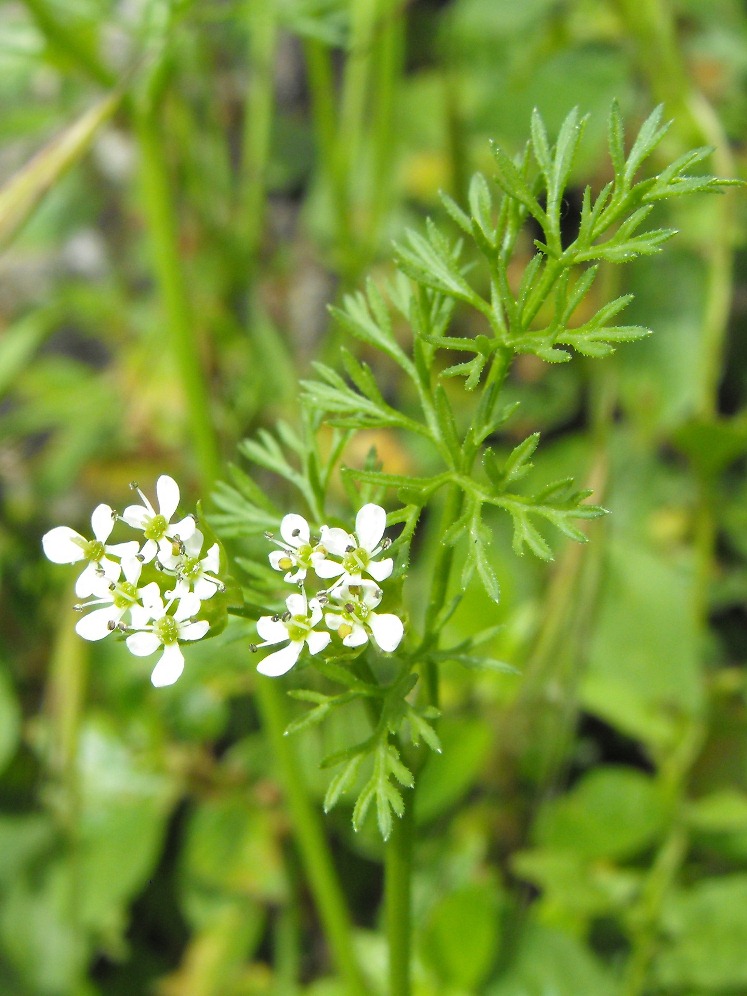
<point x="95" y="626"/>
<point x="88" y="582"/>
<point x="317" y="642"/>
<point x="336" y="540"/>
<point x="291" y="524"/>
<point x="387" y="630"/>
<point x="169" y="667"/>
<point x="333" y="620"/>
<point x="62" y="545"/>
<point x="370" y="593"/>
<point x="380" y="569"/>
<point x="136" y="516"/>
<point x="150" y="596"/>
<point x="328" y="569"/>
<point x="184" y="528"/>
<point x="281" y="661"/>
<point x="370" y="524"/>
<point x="167" y="492"/>
<point x="131" y="568"/>
<point x="211" y="560"/>
<point x="296" y="605"/>
<point x="205" y="588"/>
<point x="315" y="611"/>
<point x="194" y="630"/>
<point x="193" y="544"/>
<point x="357" y="637"/>
<point x="187" y="607"/>
<point x="102" y="522"/>
<point x="140" y="616"/>
<point x="275" y="557"/>
<point x="149" y="550"/>
<point x="142" y="644"/>
<point x="271" y="630"/>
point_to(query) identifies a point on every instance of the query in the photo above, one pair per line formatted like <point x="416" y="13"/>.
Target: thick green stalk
<point x="183" y="340"/>
<point x="398" y="879"/>
<point x="310" y="838"/>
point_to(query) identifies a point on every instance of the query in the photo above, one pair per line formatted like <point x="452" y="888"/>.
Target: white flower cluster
<point x="151" y="617"/>
<point x="347" y="607"/>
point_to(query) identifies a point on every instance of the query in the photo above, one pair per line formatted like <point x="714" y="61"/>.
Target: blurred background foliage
<point x="187" y="187"/>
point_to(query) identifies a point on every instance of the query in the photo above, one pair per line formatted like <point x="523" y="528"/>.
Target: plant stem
<point x="398" y="877"/>
<point x="310" y="838"/>
<point x="258" y="111"/>
<point x="184" y="343"/>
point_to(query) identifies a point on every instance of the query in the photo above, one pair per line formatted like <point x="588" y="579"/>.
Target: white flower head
<point x="192" y="571"/>
<point x="297" y="553"/>
<point x="113" y="600"/>
<point x="357" y="551"/>
<point x="354" y="617"/>
<point x="161" y="536"/>
<point x="295" y="627"/>
<point x="157" y="627"/>
<point x="63" y="545"/>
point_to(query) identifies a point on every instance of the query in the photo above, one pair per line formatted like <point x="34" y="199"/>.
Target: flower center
<point x="156" y="527"/>
<point x="124" y="594"/>
<point x="298" y="628"/>
<point x="167" y="630"/>
<point x="356" y="561"/>
<point x="94" y="551"/>
<point x="191" y="568"/>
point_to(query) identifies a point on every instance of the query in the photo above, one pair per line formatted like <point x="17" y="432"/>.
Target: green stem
<point x="398" y="877"/>
<point x="258" y="113"/>
<point x="310" y="838"/>
<point x="71" y="43"/>
<point x="184" y="342"/>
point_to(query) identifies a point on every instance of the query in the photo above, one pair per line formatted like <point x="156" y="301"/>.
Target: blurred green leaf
<point x="21" y="194"/>
<point x="462" y="935"/>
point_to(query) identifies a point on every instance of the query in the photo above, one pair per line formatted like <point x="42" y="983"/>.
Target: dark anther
<point x="296" y="532"/>
<point x="276" y="618"/>
<point x="111" y="625"/>
<point x="386" y="543"/>
<point x="78" y="607"/>
<point x="349" y="607"/>
<point x="140" y="557"/>
<point x="269" y="535"/>
<point x="134" y="486"/>
<point x="349" y="548"/>
<point x="253" y="648"/>
<point x="286" y="617"/>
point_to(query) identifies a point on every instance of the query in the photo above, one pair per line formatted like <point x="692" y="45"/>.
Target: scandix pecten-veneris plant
<point x="328" y="594"/>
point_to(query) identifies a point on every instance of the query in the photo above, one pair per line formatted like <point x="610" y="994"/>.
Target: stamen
<point x="111" y="625"/>
<point x="253" y="648"/>
<point x="78" y="607"/>
<point x="286" y="617"/>
<point x="269" y="535"/>
<point x="386" y="543"/>
<point x="296" y="532"/>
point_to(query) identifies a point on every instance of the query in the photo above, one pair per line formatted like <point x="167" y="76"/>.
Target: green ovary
<point x="167" y="630"/>
<point x="298" y="628"/>
<point x="94" y="551"/>
<point x="125" y="595"/>
<point x="356" y="561"/>
<point x="190" y="568"/>
<point x="156" y="528"/>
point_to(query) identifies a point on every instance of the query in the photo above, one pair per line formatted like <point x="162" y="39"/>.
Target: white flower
<point x="357" y="551"/>
<point x="193" y="573"/>
<point x="157" y="627"/>
<point x="114" y="599"/>
<point x="296" y="625"/>
<point x="62" y="545"/>
<point x="160" y="535"/>
<point x="354" y="617"/>
<point x="297" y="553"/>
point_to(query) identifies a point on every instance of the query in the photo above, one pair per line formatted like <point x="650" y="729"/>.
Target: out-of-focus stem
<point x="310" y="838"/>
<point x="258" y="110"/>
<point x="183" y="340"/>
<point x="398" y="900"/>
